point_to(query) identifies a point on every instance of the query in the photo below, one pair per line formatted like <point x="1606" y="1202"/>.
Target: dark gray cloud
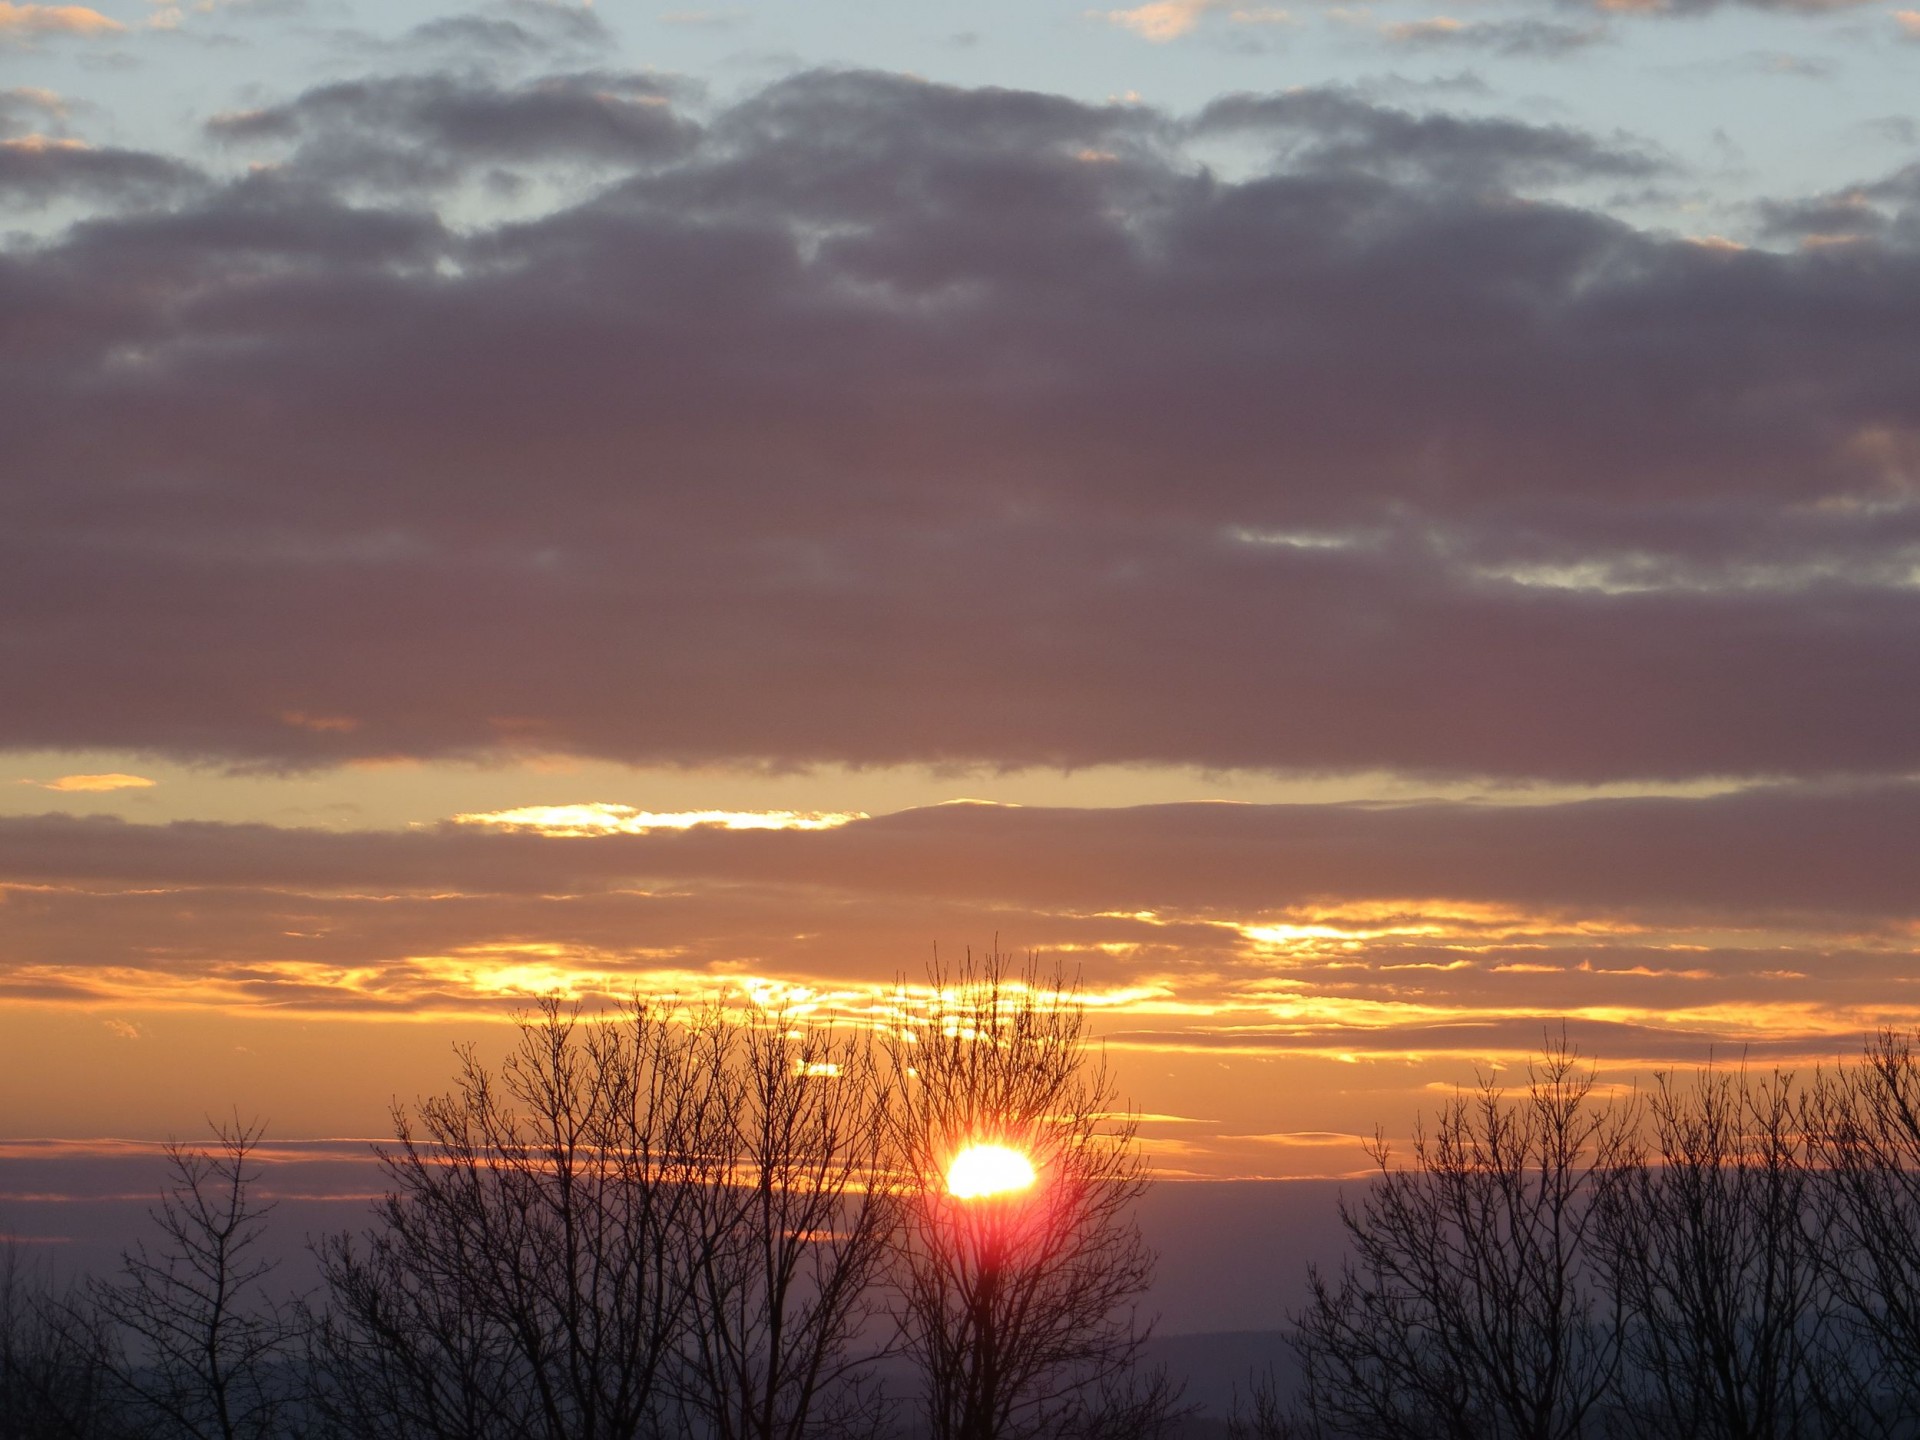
<point x="482" y="34"/>
<point x="35" y="171"/>
<point x="1850" y="216"/>
<point x="427" y="130"/>
<point x="1886" y="208"/>
<point x="42" y="161"/>
<point x="517" y="29"/>
<point x="872" y="420"/>
<point x="1332" y="130"/>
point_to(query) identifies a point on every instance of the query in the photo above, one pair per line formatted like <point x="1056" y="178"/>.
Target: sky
<point x="1366" y="534"/>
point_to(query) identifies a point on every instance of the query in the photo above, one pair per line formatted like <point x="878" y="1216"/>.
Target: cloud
<point x="24" y="108"/>
<point x="869" y="420"/>
<point x="92" y="784"/>
<point x="1748" y="856"/>
<point x="320" y="724"/>
<point x="1773" y="918"/>
<point x="429" y="130"/>
<point x="1888" y="208"/>
<point x="37" y="169"/>
<point x="519" y="28"/>
<point x="1908" y="22"/>
<point x="1165" y="20"/>
<point x="598" y="818"/>
<point x="27" y="22"/>
<point x="168" y="15"/>
<point x="1308" y="1139"/>
<point x="1699" y="7"/>
<point x="1339" y="131"/>
<point x="1850" y="214"/>
<point x="1530" y="37"/>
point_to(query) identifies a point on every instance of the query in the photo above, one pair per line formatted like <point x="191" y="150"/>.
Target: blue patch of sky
<point x="1746" y="104"/>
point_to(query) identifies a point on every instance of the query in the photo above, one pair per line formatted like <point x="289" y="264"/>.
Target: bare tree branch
<point x="1469" y="1310"/>
<point x="205" y="1343"/>
<point x="1710" y="1252"/>
<point x="802" y="1235"/>
<point x="1020" y="1313"/>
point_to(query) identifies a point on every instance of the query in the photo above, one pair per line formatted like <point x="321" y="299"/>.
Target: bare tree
<point x="56" y="1377"/>
<point x="1709" y="1250"/>
<point x="533" y="1266"/>
<point x="1267" y="1414"/>
<point x="1019" y="1311"/>
<point x="1863" y="1123"/>
<point x="198" y="1343"/>
<point x="1469" y="1309"/>
<point x="784" y="1296"/>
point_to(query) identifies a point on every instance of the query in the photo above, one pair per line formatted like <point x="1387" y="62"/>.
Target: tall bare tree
<point x="199" y="1343"/>
<point x="1469" y="1309"/>
<point x="1863" y="1122"/>
<point x="1711" y="1253"/>
<point x="532" y="1269"/>
<point x="785" y="1295"/>
<point x="1020" y="1312"/>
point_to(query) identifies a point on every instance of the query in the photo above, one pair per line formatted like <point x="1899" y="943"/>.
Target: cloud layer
<point x="872" y="420"/>
<point x="1782" y="920"/>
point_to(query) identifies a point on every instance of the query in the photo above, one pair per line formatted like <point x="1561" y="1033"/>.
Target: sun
<point x="980" y="1171"/>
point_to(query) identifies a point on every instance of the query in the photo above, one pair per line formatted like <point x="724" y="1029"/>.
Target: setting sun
<point x="980" y="1171"/>
<point x="823" y="732"/>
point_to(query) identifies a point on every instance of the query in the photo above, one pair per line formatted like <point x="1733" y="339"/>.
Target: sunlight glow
<point x="596" y="818"/>
<point x="93" y="784"/>
<point x="980" y="1171"/>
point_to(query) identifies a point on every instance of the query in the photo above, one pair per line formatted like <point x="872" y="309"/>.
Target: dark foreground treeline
<point x="738" y="1227"/>
<point x="1728" y="1257"/>
<point x="728" y="1224"/>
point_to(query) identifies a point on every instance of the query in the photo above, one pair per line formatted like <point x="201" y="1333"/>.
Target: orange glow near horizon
<point x="148" y="999"/>
<point x="981" y="1172"/>
<point x="596" y="818"/>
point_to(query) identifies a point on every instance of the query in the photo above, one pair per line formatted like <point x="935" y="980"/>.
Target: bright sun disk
<point x="982" y="1170"/>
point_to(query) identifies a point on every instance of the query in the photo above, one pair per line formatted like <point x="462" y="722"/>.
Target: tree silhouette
<point x="795" y="1245"/>
<point x="56" y="1376"/>
<point x="1711" y="1255"/>
<point x="1863" y="1124"/>
<point x="193" y="1334"/>
<point x="1019" y="1311"/>
<point x="531" y="1270"/>
<point x="1470" y="1308"/>
<point x="662" y="1223"/>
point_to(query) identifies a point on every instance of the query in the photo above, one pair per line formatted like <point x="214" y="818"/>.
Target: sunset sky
<point x="1361" y="531"/>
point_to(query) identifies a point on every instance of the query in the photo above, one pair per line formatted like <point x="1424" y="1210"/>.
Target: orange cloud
<point x="29" y="20"/>
<point x="1160" y="22"/>
<point x="1440" y="26"/>
<point x="94" y="784"/>
<point x="1164" y="20"/>
<point x="40" y="144"/>
<point x="1308" y="1139"/>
